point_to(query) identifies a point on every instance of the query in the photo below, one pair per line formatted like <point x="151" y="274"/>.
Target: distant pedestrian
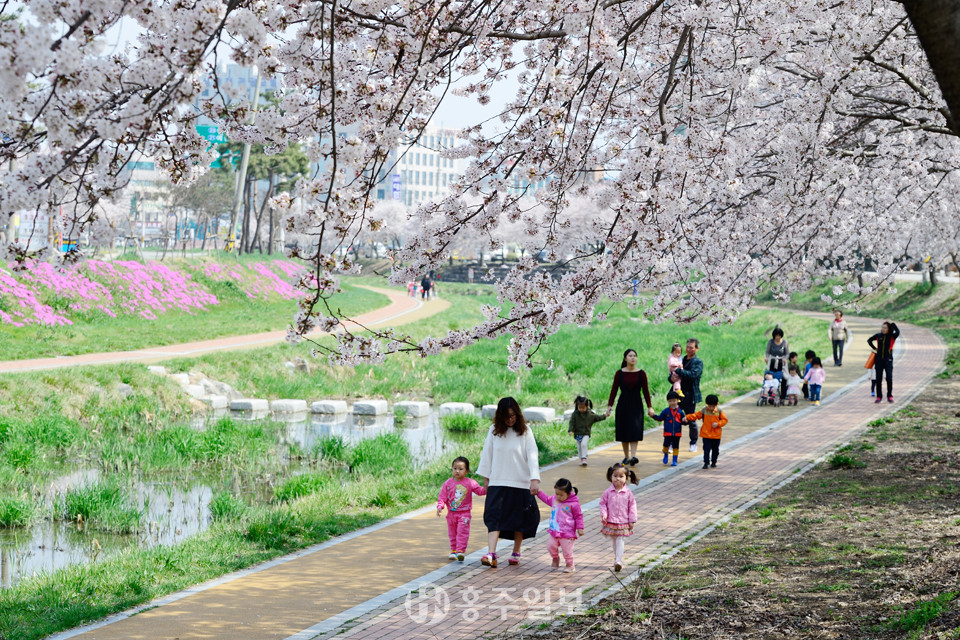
<point x="882" y="345"/>
<point x="618" y="510"/>
<point x="566" y="522"/>
<point x="672" y="418"/>
<point x="808" y="356"/>
<point x="581" y="425"/>
<point x="839" y="334"/>
<point x="631" y="383"/>
<point x="456" y="495"/>
<point x="689" y="375"/>
<point x="874" y="387"/>
<point x="714" y="420"/>
<point x="425" y="288"/>
<point x="815" y="377"/>
<point x="510" y="466"/>
<point x="775" y="357"/>
<point x="412" y="288"/>
<point x="470" y="275"/>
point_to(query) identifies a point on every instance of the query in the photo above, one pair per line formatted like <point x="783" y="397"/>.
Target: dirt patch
<point x="867" y="545"/>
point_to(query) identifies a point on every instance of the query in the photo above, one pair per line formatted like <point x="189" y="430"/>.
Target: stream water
<point x="176" y="510"/>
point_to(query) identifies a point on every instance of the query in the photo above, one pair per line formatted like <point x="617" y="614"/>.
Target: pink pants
<point x="458" y="528"/>
<point x="554" y="545"/>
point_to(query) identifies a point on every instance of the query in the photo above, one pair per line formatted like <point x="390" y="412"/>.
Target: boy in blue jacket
<point x="672" y="418"/>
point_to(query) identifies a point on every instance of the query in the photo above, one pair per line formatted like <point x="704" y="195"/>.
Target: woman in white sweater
<point x="510" y="466"/>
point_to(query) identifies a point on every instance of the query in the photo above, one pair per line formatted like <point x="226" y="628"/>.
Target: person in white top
<point x="839" y="334"/>
<point x="510" y="466"/>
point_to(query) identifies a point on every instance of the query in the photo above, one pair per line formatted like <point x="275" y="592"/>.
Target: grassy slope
<point x="235" y="315"/>
<point x="583" y="360"/>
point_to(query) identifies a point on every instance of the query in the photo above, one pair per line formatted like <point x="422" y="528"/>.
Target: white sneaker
<point x="693" y="447"/>
<point x="452" y="556"/>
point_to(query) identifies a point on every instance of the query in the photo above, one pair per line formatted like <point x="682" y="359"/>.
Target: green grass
<point x="918" y="617"/>
<point x="104" y="505"/>
<point x="843" y="461"/>
<point x="463" y="422"/>
<point x="15" y="512"/>
<point x="584" y="360"/>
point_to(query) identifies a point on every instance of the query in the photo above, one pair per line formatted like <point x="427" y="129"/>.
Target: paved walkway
<point x="401" y="310"/>
<point x="393" y="580"/>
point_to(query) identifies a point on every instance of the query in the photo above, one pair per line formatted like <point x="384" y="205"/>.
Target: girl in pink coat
<point x="456" y="495"/>
<point x="566" y="522"/>
<point x="618" y="510"/>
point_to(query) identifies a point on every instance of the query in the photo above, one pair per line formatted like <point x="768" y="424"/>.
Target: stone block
<point x="157" y="369"/>
<point x="567" y="414"/>
<point x="370" y="407"/>
<point x="195" y="390"/>
<point x="182" y="379"/>
<point x="334" y="407"/>
<point x="540" y="414"/>
<point x="215" y="402"/>
<point x="250" y="404"/>
<point x="488" y="411"/>
<point x="288" y="406"/>
<point x="414" y="409"/>
<point x="449" y="408"/>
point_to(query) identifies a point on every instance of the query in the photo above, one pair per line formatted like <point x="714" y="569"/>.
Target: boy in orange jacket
<point x="713" y="422"/>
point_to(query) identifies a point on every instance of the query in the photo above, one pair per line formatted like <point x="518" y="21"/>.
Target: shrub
<point x="843" y="461"/>
<point x="385" y="453"/>
<point x="15" y="512"/>
<point x="332" y="448"/>
<point x="103" y="505"/>
<point x="465" y="422"/>
<point x="225" y="506"/>
<point x="301" y="485"/>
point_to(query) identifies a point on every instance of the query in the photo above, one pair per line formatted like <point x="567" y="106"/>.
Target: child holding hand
<point x="456" y="495"/>
<point x="566" y="522"/>
<point x="672" y="418"/>
<point x="714" y="420"/>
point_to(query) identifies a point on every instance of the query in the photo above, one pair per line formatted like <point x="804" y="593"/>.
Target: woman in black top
<point x="631" y="382"/>
<point x="882" y="344"/>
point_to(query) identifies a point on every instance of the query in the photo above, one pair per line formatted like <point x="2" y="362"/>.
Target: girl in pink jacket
<point x="566" y="522"/>
<point x="456" y="495"/>
<point x="618" y="510"/>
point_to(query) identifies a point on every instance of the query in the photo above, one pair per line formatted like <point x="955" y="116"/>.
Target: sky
<point x="454" y="112"/>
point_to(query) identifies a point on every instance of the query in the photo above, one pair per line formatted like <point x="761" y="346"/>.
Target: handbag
<point x="870" y="360"/>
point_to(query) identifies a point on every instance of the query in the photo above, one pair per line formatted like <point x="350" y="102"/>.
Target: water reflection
<point x="174" y="511"/>
<point x="170" y="515"/>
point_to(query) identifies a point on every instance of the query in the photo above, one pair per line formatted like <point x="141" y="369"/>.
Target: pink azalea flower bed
<point x="259" y="280"/>
<point x="44" y="295"/>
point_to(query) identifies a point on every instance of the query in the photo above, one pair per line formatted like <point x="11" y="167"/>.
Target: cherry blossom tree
<point x="745" y="144"/>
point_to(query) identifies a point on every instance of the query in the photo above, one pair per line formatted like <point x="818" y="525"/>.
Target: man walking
<point x="689" y="377"/>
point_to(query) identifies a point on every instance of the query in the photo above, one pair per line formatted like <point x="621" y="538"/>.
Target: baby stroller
<point x="770" y="394"/>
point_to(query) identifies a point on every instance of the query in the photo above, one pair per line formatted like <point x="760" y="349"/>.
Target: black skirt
<point x="629" y="418"/>
<point x="509" y="510"/>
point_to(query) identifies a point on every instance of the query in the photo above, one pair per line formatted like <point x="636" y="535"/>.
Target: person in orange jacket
<point x="713" y="422"/>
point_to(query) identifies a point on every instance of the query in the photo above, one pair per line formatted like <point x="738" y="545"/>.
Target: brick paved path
<point x="359" y="586"/>
<point x="675" y="508"/>
<point x="402" y="309"/>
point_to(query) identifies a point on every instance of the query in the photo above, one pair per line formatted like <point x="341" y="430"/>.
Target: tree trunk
<point x="937" y="23"/>
<point x="932" y="267"/>
<point x="246" y="220"/>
